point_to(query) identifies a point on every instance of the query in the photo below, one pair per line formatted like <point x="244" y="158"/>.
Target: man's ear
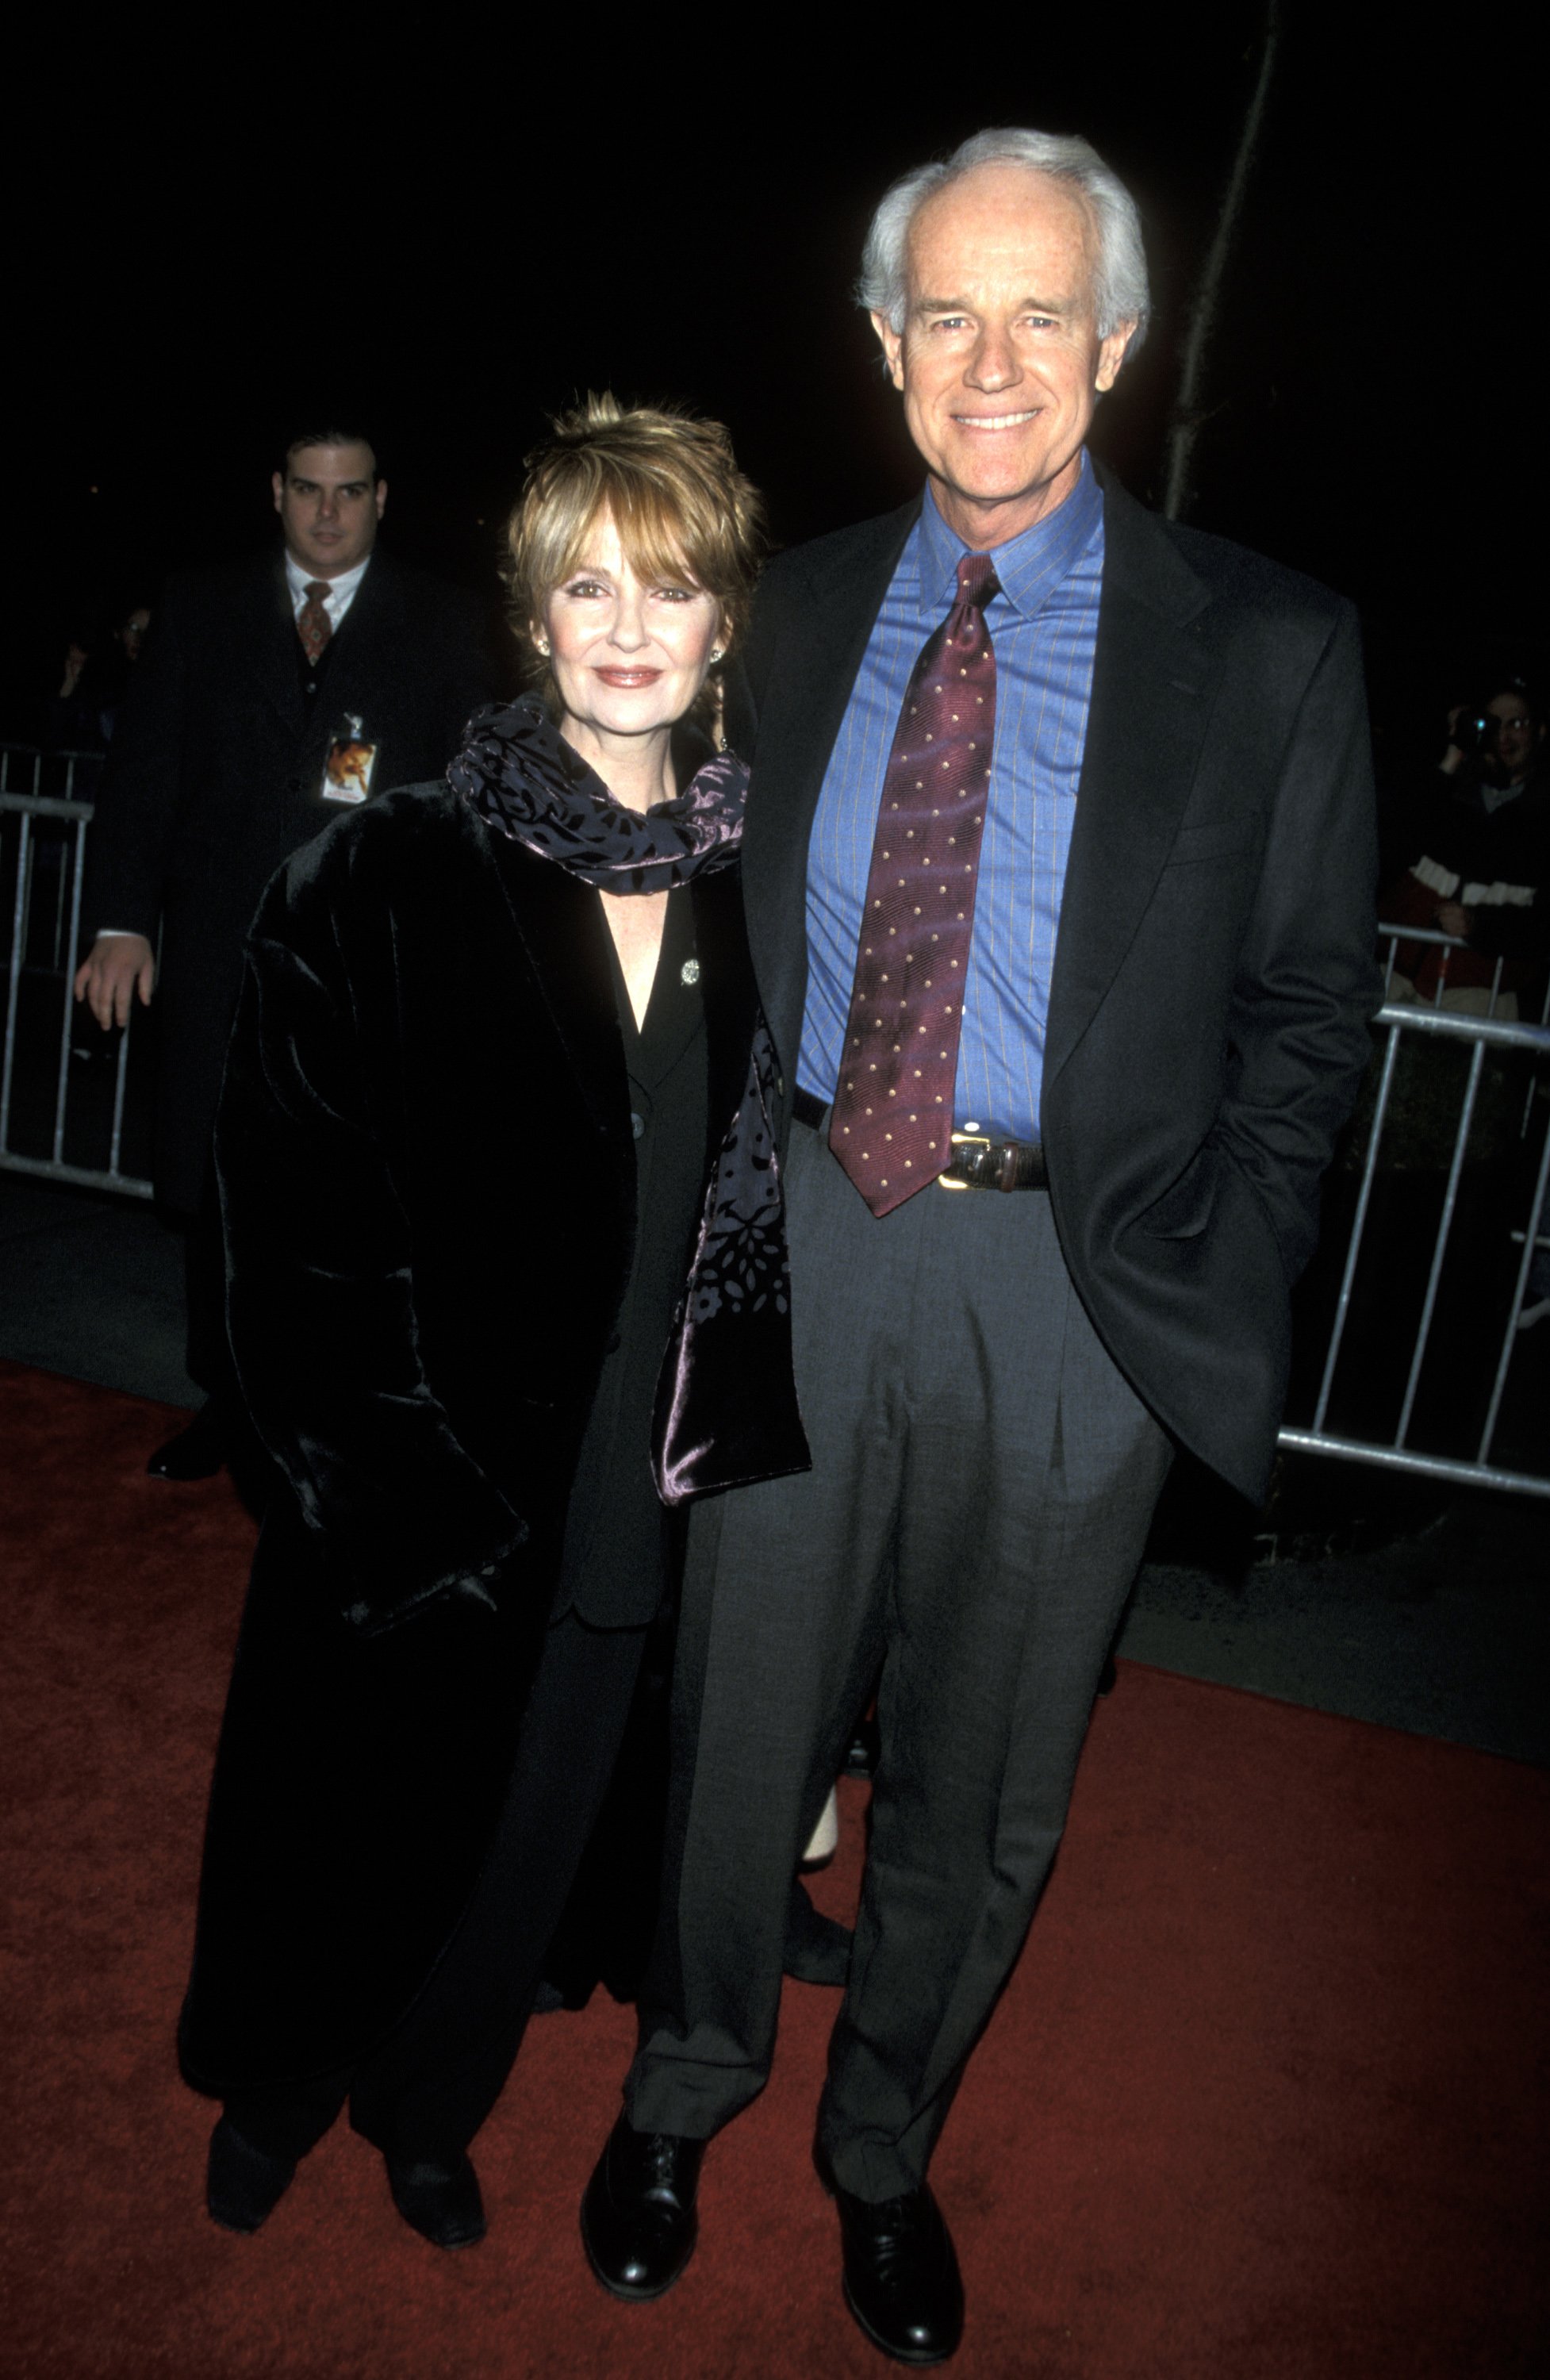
<point x="892" y="348"/>
<point x="1112" y="354"/>
<point x="278" y="483"/>
<point x="382" y="497"/>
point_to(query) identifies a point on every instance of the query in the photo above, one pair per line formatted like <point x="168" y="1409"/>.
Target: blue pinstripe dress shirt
<point x="1043" y="627"/>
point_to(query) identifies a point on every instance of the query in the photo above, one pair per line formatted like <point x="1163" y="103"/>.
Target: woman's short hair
<point x="675" y="494"/>
<point x="1120" y="289"/>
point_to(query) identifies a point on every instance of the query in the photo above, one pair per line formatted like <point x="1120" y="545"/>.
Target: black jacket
<point x="426" y="1162"/>
<point x="215" y="778"/>
<point x="1495" y="862"/>
<point x="1214" y="966"/>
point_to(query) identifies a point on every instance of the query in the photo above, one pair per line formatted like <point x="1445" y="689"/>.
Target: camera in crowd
<point x="1496" y="738"/>
<point x="1476" y="733"/>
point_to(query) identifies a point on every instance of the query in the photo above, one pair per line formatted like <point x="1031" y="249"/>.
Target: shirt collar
<point x="1028" y="569"/>
<point x="299" y="579"/>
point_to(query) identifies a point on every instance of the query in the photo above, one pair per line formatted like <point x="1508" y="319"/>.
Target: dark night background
<point x="208" y="243"/>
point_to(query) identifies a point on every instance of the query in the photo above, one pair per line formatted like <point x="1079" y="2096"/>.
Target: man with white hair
<point x="1058" y="870"/>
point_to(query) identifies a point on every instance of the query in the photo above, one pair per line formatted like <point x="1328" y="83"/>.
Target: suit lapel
<point x="560" y="922"/>
<point x="1154" y="682"/>
<point x="811" y="673"/>
<point x="673" y="1015"/>
<point x="362" y="635"/>
<point x="274" y="653"/>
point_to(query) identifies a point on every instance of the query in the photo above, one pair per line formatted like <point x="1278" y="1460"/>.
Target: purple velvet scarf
<point x="726" y="1404"/>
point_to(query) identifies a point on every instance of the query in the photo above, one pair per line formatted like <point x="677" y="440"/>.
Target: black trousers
<point x="423" y="2092"/>
<point x="982" y="1477"/>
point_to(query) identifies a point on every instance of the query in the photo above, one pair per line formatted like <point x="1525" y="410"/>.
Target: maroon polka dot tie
<point x="891" y="1124"/>
<point x="312" y="622"/>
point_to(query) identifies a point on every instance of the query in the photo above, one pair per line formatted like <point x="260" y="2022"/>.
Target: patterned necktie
<point x="312" y="622"/>
<point x="891" y="1124"/>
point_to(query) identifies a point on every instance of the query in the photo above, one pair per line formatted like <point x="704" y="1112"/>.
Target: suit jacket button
<point x="638" y="1123"/>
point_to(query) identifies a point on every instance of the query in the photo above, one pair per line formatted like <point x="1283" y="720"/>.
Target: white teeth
<point x="993" y="421"/>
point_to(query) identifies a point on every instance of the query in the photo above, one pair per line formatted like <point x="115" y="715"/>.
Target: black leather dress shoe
<point x="441" y="2202"/>
<point x="243" y="2185"/>
<point x="196" y="1453"/>
<point x="638" y="2224"/>
<point x="902" y="2279"/>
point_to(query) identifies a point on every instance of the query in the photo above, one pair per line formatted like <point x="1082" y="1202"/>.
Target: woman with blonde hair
<point x="492" y="1034"/>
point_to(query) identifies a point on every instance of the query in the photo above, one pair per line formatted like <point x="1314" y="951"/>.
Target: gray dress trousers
<point x="983" y="1480"/>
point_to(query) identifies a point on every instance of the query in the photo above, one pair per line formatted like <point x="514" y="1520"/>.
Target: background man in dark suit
<point x="1120" y="948"/>
<point x="273" y="692"/>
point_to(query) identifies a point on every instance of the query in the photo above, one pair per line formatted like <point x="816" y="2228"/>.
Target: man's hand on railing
<point x="117" y="968"/>
<point x="1453" y="919"/>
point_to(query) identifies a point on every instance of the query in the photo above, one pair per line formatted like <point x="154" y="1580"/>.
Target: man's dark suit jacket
<point x="1214" y="969"/>
<point x="215" y="778"/>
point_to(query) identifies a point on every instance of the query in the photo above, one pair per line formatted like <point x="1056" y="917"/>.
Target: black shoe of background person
<point x="196" y="1452"/>
<point x="817" y="1947"/>
<point x="902" y="2280"/>
<point x="638" y="2224"/>
<point x="441" y="2202"/>
<point x="243" y="2185"/>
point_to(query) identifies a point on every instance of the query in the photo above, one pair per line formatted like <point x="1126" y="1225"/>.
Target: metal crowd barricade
<point x="1478" y="1035"/>
<point x="1395" y="935"/>
<point x="51" y="952"/>
<point x="27" y="769"/>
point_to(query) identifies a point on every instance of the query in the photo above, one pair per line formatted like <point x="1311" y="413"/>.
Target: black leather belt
<point x="980" y="1164"/>
<point x="978" y="1161"/>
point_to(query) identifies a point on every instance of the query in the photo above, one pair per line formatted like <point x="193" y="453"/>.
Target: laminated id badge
<point x="349" y="769"/>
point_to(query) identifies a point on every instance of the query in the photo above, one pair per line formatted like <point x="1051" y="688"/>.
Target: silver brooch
<point x="689" y="971"/>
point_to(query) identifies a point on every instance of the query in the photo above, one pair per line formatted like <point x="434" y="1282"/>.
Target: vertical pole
<point x="1187" y="412"/>
<point x="1359" y="1225"/>
<point x="1531" y="1236"/>
<point x="13" y="987"/>
<point x="1451" y="1197"/>
<point x="63" y="1090"/>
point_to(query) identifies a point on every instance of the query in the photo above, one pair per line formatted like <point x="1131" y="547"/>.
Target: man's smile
<point x="994" y="421"/>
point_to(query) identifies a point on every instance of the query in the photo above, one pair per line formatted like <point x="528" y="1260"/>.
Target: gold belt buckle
<point x="965" y="1140"/>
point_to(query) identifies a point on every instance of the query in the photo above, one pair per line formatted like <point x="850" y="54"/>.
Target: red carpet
<point x="1261" y="2102"/>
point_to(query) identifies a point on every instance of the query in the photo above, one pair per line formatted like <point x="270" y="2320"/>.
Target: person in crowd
<point x="1481" y="870"/>
<point x="71" y="713"/>
<point x="129" y="638"/>
<point x="273" y="693"/>
<point x="131" y="634"/>
<point x="1058" y="877"/>
<point x="488" y="1031"/>
<point x="81" y="712"/>
<point x="1479" y="865"/>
